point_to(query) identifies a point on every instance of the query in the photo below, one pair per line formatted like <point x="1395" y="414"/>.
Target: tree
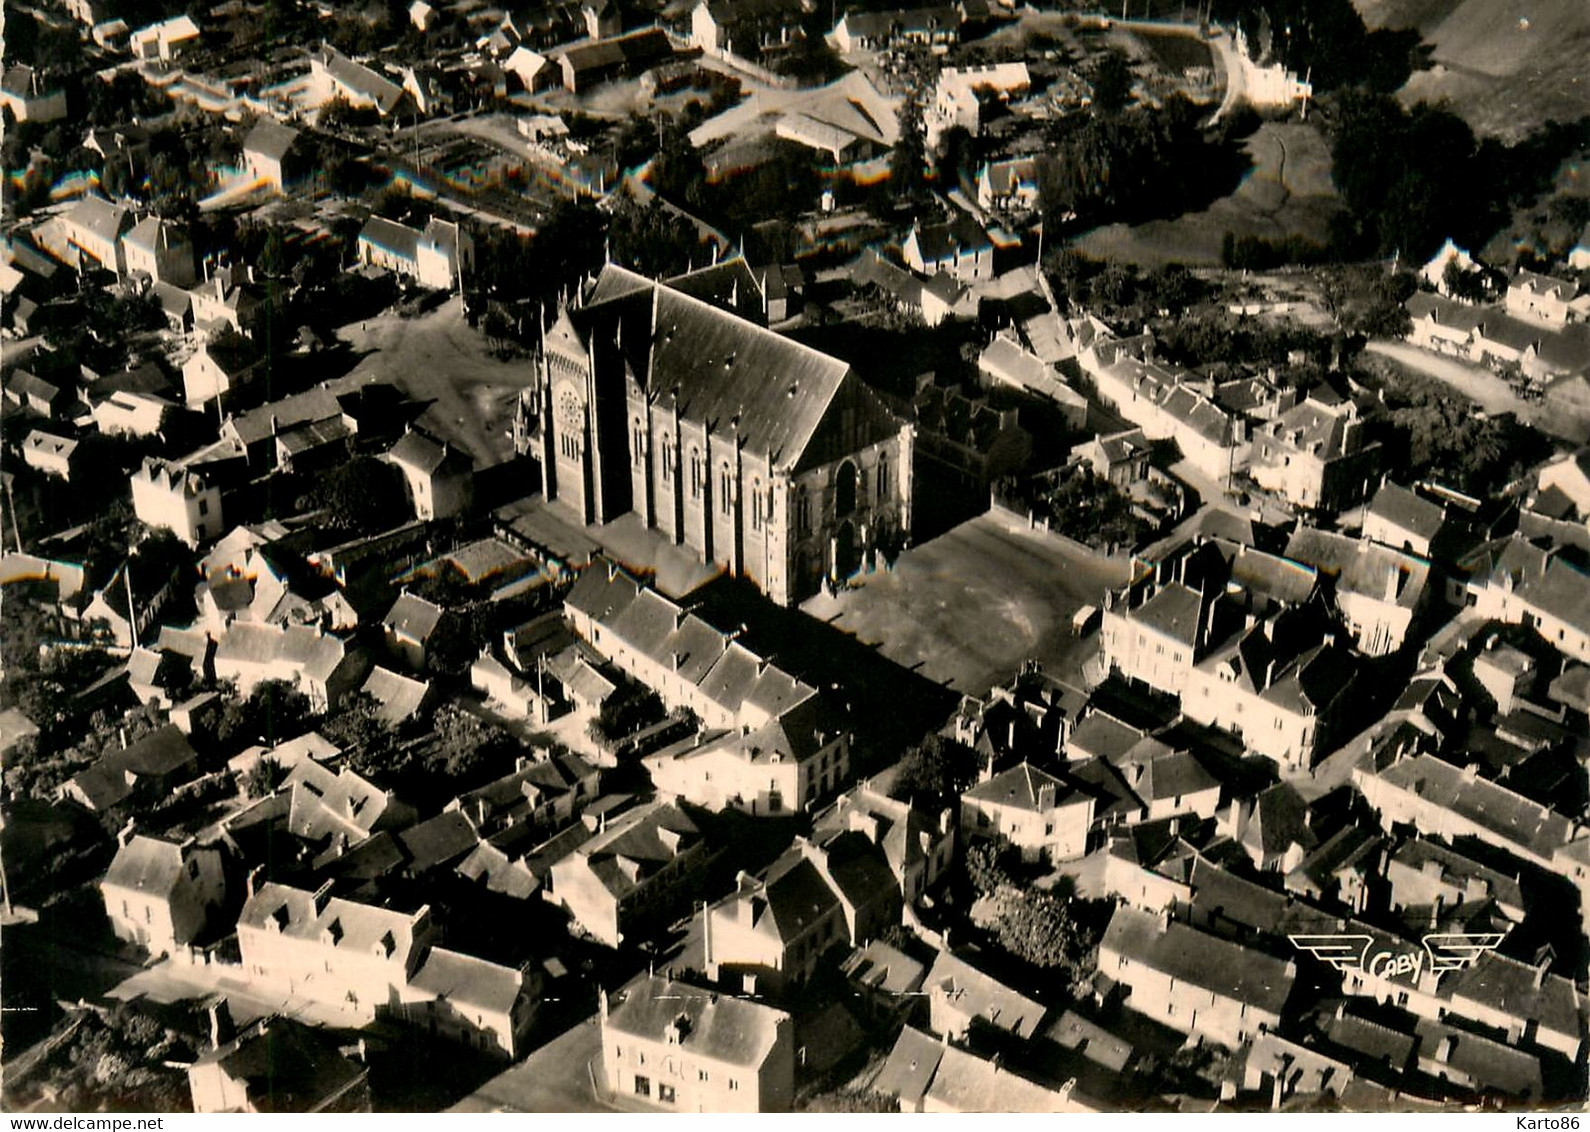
<point x="1112" y="81"/>
<point x="653" y="240"/>
<point x="935" y="771"/>
<point x="263" y="778"/>
<point x="365" y="737"/>
<point x="363" y="496"/>
<point x="272" y="713"/>
<point x="908" y="158"/>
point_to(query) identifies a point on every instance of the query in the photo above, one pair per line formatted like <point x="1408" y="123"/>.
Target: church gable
<point x="856" y="418"/>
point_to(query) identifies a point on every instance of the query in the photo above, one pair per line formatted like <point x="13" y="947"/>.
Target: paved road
<point x="967" y="608"/>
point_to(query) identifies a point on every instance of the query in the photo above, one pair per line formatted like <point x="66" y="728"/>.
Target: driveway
<point x="1476" y="383"/>
<point x="967" y="608"/>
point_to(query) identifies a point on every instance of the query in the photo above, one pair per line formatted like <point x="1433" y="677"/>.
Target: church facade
<point x="762" y="455"/>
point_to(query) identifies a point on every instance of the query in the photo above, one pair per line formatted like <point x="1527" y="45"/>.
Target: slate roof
<point x="293" y="647"/>
<point x="1562" y="591"/>
<point x="99" y="217"/>
<point x="716" y="1027"/>
<point x="637" y="845"/>
<point x="1491" y="1065"/>
<point x="270" y="139"/>
<point x="958" y="236"/>
<point x="285" y="1066"/>
<point x="391" y="236"/>
<point x="1279" y="821"/>
<point x="1018" y="788"/>
<point x="974" y="993"/>
<point x="1202" y="960"/>
<point x="1510" y="816"/>
<point x="146" y="864"/>
<point x="1407" y="511"/>
<point x="770" y="392"/>
<point x="422" y="453"/>
<point x="883" y="968"/>
<point x="157" y="755"/>
<point x="1172" y="612"/>
<point x="465" y="981"/>
<point x="361" y="79"/>
<point x="1518" y="991"/>
<point x="412" y="617"/>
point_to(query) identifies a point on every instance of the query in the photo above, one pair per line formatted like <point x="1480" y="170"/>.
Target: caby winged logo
<point x="1443" y="951"/>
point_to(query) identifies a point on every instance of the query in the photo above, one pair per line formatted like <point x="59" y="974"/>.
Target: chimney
<point x="1046" y="796"/>
<point x="322" y="897"/>
<point x="126" y="832"/>
<point x="1540" y="973"/>
<point x="222" y="1029"/>
<point x="1393" y="582"/>
<point x="251" y="881"/>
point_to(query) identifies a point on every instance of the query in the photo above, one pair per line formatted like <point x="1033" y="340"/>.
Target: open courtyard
<point x="966" y="609"/>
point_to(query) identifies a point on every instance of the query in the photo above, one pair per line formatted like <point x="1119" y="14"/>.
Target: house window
<point x="204" y="507"/>
<point x="665" y="1093"/>
<point x="642" y="1086"/>
<point x="734" y="1086"/>
<point x="702" y="1075"/>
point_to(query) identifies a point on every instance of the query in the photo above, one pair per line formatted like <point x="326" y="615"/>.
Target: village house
<point x="927" y="1074"/>
<point x="1543" y="299"/>
<point x="1529" y="1005"/>
<point x="774" y="930"/>
<point x="1426" y="874"/>
<point x="1274" y="828"/>
<point x="160" y="250"/>
<point x="1445" y="801"/>
<point x="1166" y="407"/>
<point x="548" y="793"/>
<point x="48" y="453"/>
<point x="166" y="40"/>
<point x="324" y="667"/>
<point x="1047" y="818"/>
<point x="360" y="959"/>
<point x="1192" y="981"/>
<point x="1315" y="455"/>
<point x="1378" y="591"/>
<point x="151" y="766"/>
<point x="968" y="96"/>
<point x="633" y="874"/>
<point x="593" y="62"/>
<point x="757" y="453"/>
<point x="353" y="82"/>
<point x="1557" y="606"/>
<point x="747" y="30"/>
<point x="1157" y="642"/>
<point x="176" y="499"/>
<point x="1166" y="782"/>
<point x="408" y="627"/>
<point x="337" y="809"/>
<point x="162" y="895"/>
<point x="272" y="153"/>
<point x="1011" y="185"/>
<point x="918" y="847"/>
<point x="937" y="28"/>
<point x="435" y="256"/>
<point x="1506" y="674"/>
<point x="95" y="227"/>
<point x="37" y="395"/>
<point x="959" y="994"/>
<point x="31" y="96"/>
<point x="439" y="477"/>
<point x="1004" y="363"/>
<point x="1400" y="518"/>
<point x="684" y="1049"/>
<point x="225" y="303"/>
<point x="957" y="246"/>
<point x="1122" y="458"/>
<point x="220" y="366"/>
<point x="276" y="1065"/>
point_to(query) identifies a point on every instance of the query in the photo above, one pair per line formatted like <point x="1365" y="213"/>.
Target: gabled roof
<point x="1518" y="991"/>
<point x="413" y="617"/>
<point x="1191" y="956"/>
<point x="285" y="1065"/>
<point x="1562" y="592"/>
<point x="99" y="218"/>
<point x="1172" y="612"/>
<point x="1407" y="511"/>
<point x="1019" y="788"/>
<point x="1279" y="821"/>
<point x="708" y="1025"/>
<point x="973" y="993"/>
<point x="146" y="864"/>
<point x="354" y="928"/>
<point x="465" y="981"/>
<point x="437" y="841"/>
<point x="270" y="139"/>
<point x="399" y="239"/>
<point x="960" y="235"/>
<point x="361" y="80"/>
<point x="767" y="391"/>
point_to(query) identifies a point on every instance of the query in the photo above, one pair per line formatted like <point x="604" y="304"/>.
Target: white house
<point x="176" y="499"/>
<point x="166" y="40"/>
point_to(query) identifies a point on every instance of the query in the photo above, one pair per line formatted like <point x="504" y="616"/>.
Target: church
<point x="764" y="456"/>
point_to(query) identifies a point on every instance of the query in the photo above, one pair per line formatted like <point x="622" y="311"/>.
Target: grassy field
<point x="1505" y="66"/>
<point x="1288" y="192"/>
